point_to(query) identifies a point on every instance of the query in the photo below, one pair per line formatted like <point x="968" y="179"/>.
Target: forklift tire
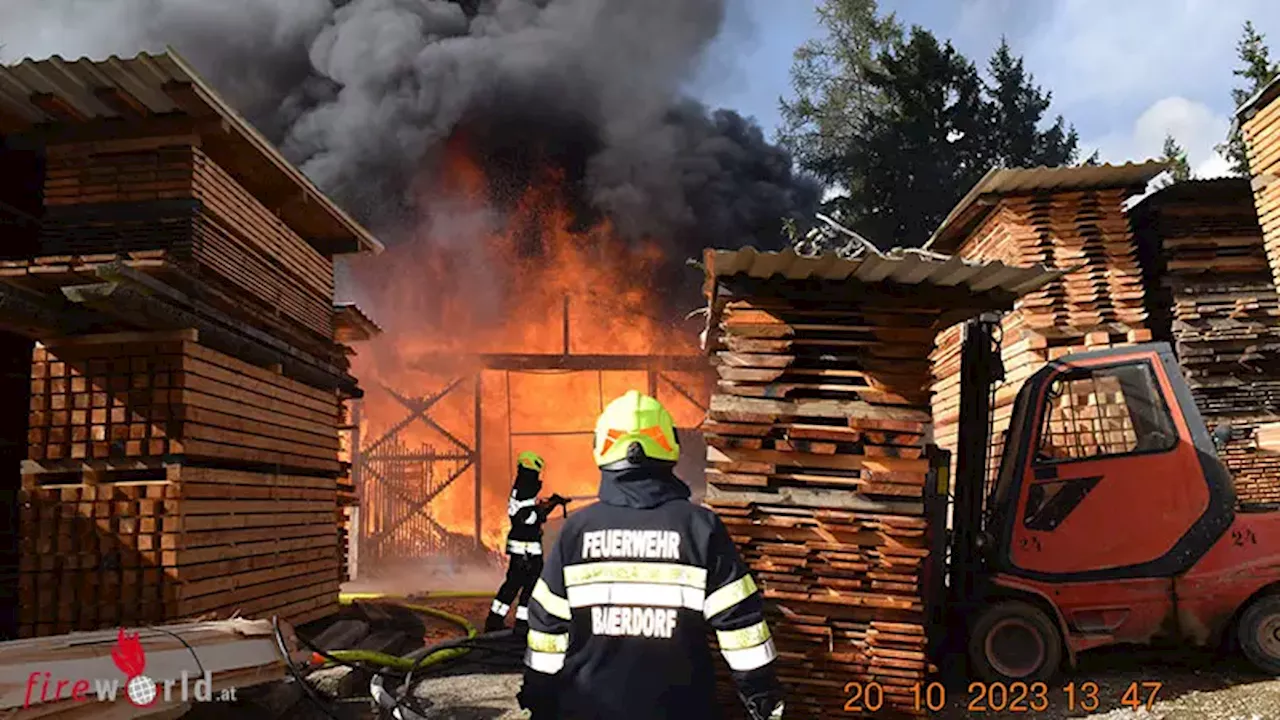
<point x="1014" y="641"/>
<point x="1258" y="632"/>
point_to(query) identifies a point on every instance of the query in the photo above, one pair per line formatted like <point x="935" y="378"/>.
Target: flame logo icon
<point x="131" y="659"/>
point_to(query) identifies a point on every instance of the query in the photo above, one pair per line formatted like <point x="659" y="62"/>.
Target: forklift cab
<point x="1108" y="472"/>
<point x="1110" y="504"/>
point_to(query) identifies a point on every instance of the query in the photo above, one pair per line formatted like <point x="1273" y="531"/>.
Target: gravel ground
<point x="1193" y="685"/>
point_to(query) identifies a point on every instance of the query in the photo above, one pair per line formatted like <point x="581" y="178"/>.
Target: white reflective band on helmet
<point x="499" y="607"/>
<point x="548" y="663"/>
<point x="729" y="595"/>
<point x="517" y="547"/>
<point x="749" y="636"/>
<point x="548" y="642"/>
<point x="522" y="612"/>
<point x="552" y="603"/>
<point x="645" y="594"/>
<point x="636" y="572"/>
<point x="750" y="658"/>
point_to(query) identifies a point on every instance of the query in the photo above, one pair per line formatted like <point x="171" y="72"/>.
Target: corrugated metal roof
<point x="57" y="92"/>
<point x="900" y="266"/>
<point x="351" y="324"/>
<point x="975" y="205"/>
<point x="1259" y="100"/>
<point x="1205" y="191"/>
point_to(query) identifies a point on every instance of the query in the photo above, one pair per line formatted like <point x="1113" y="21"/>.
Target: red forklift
<point x="1109" y="520"/>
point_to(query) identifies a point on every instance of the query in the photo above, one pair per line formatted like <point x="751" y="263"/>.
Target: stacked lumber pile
<point x="348" y="499"/>
<point x="1100" y="303"/>
<point x="166" y="480"/>
<point x="1224" y="316"/>
<point x="1086" y="232"/>
<point x="153" y="196"/>
<point x="816" y="447"/>
<point x="1262" y="144"/>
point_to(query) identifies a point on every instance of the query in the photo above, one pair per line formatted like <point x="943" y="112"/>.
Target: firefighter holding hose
<point x="524" y="542"/>
<point x="618" y="622"/>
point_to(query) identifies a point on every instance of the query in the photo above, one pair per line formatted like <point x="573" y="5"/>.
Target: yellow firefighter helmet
<point x="635" y="418"/>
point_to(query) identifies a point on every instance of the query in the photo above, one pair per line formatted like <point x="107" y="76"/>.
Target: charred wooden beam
<point x="516" y="361"/>
<point x="122" y="102"/>
<point x="35" y="316"/>
<point x="133" y="303"/>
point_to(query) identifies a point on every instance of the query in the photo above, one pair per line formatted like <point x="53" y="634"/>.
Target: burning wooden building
<point x="508" y="328"/>
<point x="168" y="296"/>
<point x="818" y="453"/>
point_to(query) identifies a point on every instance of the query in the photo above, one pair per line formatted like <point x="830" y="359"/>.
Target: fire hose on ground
<point x="399" y="700"/>
<point x="409" y="662"/>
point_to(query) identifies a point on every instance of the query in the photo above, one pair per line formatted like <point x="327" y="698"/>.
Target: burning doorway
<point x="411" y="477"/>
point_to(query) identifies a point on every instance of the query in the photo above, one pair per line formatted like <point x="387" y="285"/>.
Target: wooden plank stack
<point x="182" y="451"/>
<point x="1218" y="297"/>
<point x="166" y="480"/>
<point x="1100" y="303"/>
<point x="816" y="448"/>
<point x="165" y="194"/>
<point x="348" y="498"/>
<point x="1261" y="131"/>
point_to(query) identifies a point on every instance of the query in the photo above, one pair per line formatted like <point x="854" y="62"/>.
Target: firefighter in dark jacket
<point x="618" y="622"/>
<point x="524" y="542"/>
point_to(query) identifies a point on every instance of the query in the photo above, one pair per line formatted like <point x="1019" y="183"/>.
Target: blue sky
<point x="1124" y="72"/>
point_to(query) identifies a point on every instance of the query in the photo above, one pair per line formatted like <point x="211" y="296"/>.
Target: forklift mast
<point x="980" y="369"/>
<point x="955" y="506"/>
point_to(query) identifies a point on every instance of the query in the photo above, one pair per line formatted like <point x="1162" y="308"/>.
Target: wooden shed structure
<point x="175" y="274"/>
<point x="818" y="461"/>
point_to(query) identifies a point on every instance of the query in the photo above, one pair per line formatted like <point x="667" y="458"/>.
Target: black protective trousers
<point x="522" y="573"/>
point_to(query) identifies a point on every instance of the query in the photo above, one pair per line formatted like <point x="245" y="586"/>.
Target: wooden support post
<point x="566" y="325"/>
<point x="355" y="530"/>
<point x="479" y="452"/>
<point x="15" y="379"/>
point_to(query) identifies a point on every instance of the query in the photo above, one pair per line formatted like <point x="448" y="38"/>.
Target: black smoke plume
<point x="364" y="94"/>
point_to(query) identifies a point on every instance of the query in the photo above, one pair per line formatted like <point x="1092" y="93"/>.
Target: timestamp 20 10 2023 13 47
<point x="1014" y="697"/>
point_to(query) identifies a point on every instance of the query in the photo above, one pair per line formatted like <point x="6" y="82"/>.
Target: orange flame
<point x="128" y="654"/>
<point x="470" y="284"/>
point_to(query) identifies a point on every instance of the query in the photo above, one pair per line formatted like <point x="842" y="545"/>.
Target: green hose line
<point x="402" y="663"/>
<point x="348" y="598"/>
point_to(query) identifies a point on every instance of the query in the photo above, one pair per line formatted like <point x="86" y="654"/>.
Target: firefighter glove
<point x="763" y="706"/>
<point x="538" y="695"/>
